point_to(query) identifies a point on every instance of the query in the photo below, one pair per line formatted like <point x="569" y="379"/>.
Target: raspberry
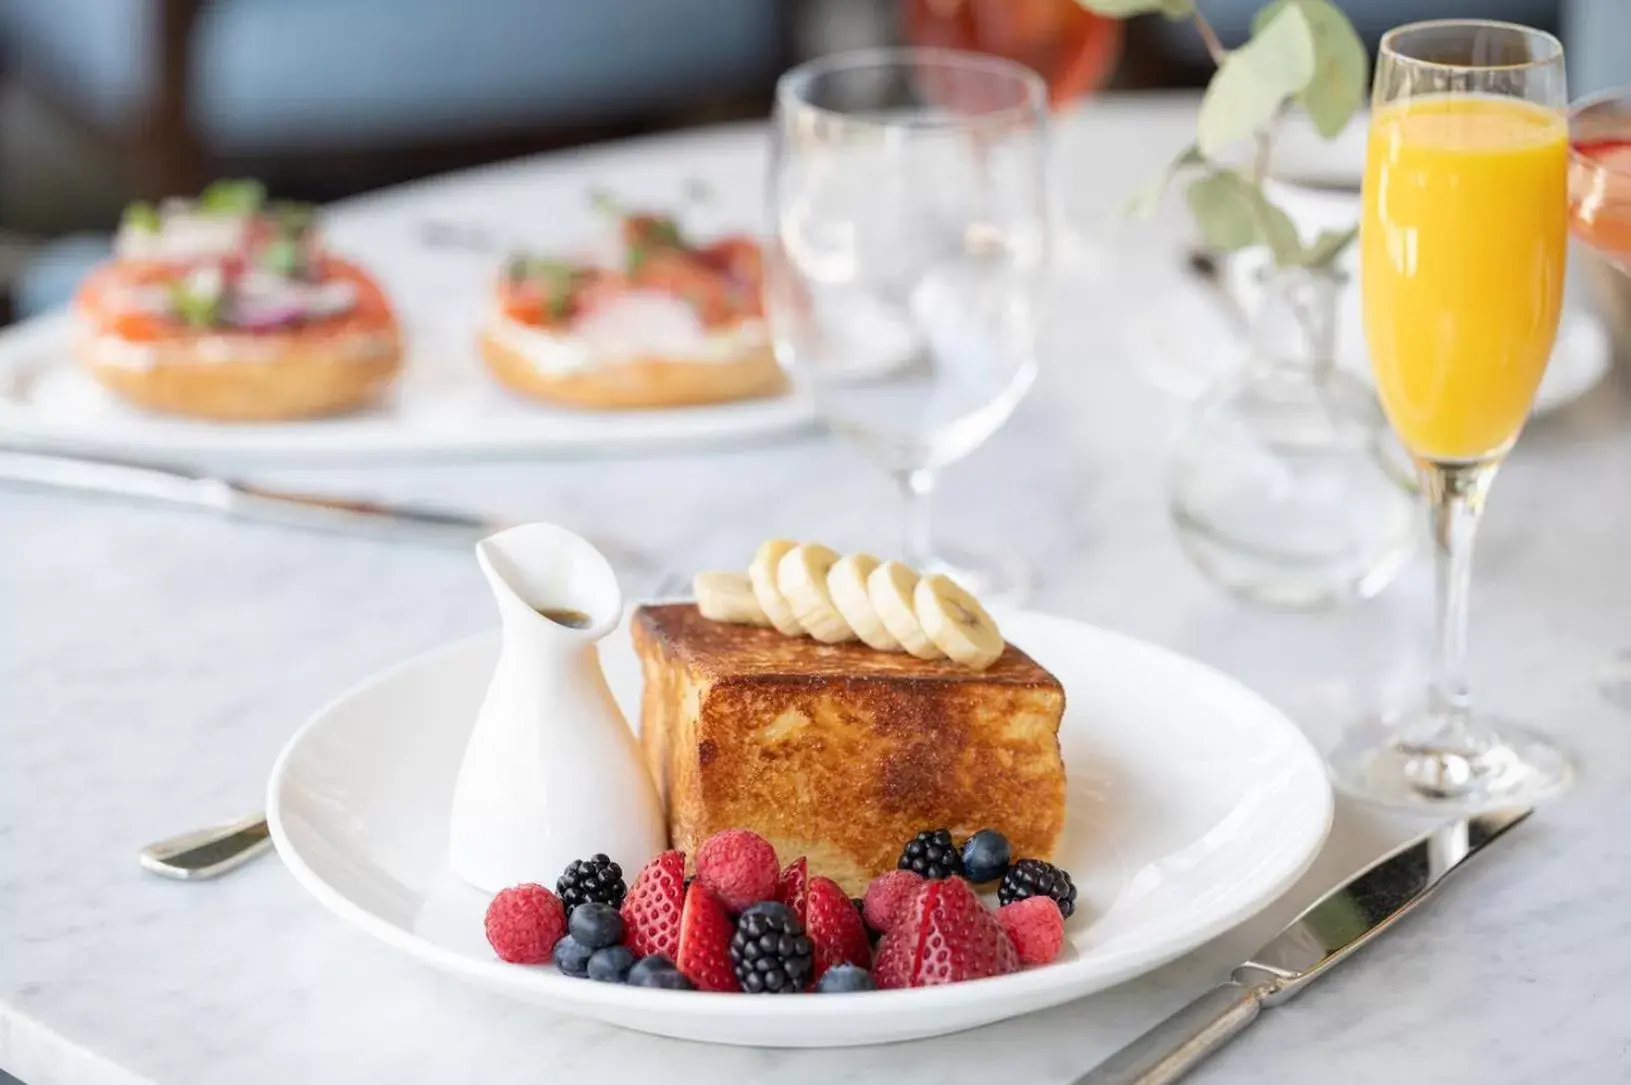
<point x="835" y="928"/>
<point x="1035" y="927"/>
<point x="524" y="922"/>
<point x="888" y="896"/>
<point x="739" y="866"/>
<point x="651" y="910"/>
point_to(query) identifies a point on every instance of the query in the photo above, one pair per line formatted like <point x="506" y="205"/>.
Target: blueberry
<point x="658" y="971"/>
<point x="572" y="957"/>
<point x="670" y="981"/>
<point x="596" y="925"/>
<point x="770" y="907"/>
<point x="844" y="979"/>
<point x="610" y="965"/>
<point x="986" y="855"/>
<point x="646" y="966"/>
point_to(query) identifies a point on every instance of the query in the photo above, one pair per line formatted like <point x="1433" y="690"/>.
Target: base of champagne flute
<point x="1511" y="766"/>
<point x="991" y="578"/>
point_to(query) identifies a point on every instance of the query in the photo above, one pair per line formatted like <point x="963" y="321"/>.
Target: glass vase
<point x="1288" y="489"/>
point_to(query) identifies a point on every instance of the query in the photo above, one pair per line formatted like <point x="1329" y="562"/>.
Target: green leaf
<point x="1148" y="197"/>
<point x="1221" y="204"/>
<point x="1276" y="229"/>
<point x="232" y="198"/>
<point x="1122" y="9"/>
<point x="143" y="217"/>
<point x="1232" y="214"/>
<point x="1327" y="247"/>
<point x="1243" y="96"/>
<point x="1340" y="63"/>
<point x="602" y="200"/>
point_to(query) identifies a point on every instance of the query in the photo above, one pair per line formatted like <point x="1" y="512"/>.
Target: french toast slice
<point x="840" y="753"/>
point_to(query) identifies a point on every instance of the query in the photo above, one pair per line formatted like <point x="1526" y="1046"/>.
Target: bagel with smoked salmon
<point x="227" y="308"/>
<point x="664" y="323"/>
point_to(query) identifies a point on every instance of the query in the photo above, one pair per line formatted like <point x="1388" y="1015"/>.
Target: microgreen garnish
<point x="143" y="217"/>
<point x="232" y="198"/>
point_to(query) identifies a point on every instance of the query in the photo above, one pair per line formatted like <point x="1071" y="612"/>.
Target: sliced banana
<point x="728" y="597"/>
<point x="890" y="587"/>
<point x="762" y="573"/>
<point x="846" y="583"/>
<point x="801" y="576"/>
<point x="956" y="622"/>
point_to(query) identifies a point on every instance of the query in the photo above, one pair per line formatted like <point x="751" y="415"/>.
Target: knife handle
<point x="1177" y="1045"/>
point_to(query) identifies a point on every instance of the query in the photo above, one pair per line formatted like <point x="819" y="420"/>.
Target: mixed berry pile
<point x="745" y="923"/>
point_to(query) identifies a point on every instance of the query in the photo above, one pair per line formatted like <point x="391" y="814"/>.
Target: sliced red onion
<point x="267" y="314"/>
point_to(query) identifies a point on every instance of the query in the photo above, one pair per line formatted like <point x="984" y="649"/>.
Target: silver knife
<point x="242" y="500"/>
<point x="1336" y="925"/>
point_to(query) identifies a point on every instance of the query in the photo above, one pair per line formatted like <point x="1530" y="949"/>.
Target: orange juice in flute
<point x="1462" y="253"/>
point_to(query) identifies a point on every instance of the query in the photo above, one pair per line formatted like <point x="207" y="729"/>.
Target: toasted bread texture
<point x="841" y="753"/>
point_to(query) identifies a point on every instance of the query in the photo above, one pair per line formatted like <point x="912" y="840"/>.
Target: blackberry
<point x="770" y="953"/>
<point x="932" y="854"/>
<point x="596" y="878"/>
<point x="1034" y="878"/>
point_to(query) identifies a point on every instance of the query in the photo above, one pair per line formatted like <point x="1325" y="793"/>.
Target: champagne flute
<point x="1462" y="258"/>
<point x="905" y="275"/>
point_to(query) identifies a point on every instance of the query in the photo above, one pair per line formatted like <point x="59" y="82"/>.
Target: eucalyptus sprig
<point x="1302" y="52"/>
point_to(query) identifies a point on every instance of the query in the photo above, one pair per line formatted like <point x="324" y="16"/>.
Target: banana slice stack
<point x="809" y="590"/>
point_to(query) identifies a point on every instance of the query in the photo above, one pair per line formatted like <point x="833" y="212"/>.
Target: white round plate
<point x="1192" y="803"/>
<point x="444" y="405"/>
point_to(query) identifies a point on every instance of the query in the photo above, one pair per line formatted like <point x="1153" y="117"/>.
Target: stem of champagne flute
<point x="1455" y="495"/>
<point x="916" y="485"/>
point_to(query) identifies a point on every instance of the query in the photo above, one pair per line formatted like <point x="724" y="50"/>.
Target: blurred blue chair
<point x="188" y="84"/>
<point x="349" y="93"/>
<point x="1596" y="33"/>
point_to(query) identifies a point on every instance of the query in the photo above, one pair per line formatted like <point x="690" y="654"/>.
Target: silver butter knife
<point x="1335" y="926"/>
<point x="209" y="853"/>
<point x="242" y="500"/>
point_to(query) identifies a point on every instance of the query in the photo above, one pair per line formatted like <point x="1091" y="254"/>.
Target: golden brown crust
<point x="840" y="753"/>
<point x="277" y="377"/>
<point x="646" y="382"/>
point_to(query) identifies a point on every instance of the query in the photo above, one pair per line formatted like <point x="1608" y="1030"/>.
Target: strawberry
<point x="892" y="967"/>
<point x="652" y="910"/>
<point x="791" y="888"/>
<point x="704" y="955"/>
<point x="834" y="927"/>
<point x="945" y="936"/>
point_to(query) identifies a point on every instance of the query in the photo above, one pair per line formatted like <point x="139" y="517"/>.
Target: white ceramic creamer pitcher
<point x="552" y="772"/>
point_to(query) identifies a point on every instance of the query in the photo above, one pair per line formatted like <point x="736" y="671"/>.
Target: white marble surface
<point x="152" y="663"/>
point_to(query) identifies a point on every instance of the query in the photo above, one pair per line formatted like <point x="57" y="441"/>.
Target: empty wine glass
<point x="906" y="271"/>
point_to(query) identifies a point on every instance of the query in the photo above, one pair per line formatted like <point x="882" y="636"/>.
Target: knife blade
<point x="242" y="500"/>
<point x="1327" y="933"/>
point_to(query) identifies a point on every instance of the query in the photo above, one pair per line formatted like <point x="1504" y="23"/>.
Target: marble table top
<point x="153" y="662"/>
